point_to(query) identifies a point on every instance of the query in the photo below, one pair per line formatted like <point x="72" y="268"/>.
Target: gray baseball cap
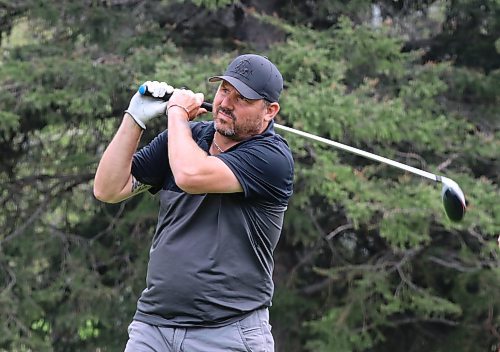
<point x="254" y="76"/>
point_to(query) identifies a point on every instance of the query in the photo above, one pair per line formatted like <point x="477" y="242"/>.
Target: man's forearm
<point x="113" y="171"/>
<point x="184" y="155"/>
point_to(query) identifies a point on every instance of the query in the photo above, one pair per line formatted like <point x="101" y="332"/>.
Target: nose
<point x="226" y="103"/>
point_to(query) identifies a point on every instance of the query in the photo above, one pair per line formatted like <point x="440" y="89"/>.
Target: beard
<point x="225" y="129"/>
<point x="238" y="129"/>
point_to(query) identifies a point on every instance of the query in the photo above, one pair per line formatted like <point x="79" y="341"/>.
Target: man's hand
<point x="143" y="108"/>
<point x="188" y="102"/>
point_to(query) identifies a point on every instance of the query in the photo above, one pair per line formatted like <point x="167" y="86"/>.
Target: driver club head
<point x="453" y="200"/>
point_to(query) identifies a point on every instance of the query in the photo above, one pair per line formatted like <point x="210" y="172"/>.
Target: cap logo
<point x="243" y="68"/>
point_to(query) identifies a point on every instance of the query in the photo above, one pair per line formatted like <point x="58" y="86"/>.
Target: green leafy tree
<point x="367" y="261"/>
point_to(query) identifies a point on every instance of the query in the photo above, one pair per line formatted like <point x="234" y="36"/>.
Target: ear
<point x="272" y="110"/>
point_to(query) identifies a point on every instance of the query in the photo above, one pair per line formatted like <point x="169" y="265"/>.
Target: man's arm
<point x="113" y="181"/>
<point x="193" y="169"/>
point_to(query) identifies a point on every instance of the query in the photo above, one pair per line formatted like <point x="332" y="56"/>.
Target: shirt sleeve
<point x="264" y="168"/>
<point x="150" y="164"/>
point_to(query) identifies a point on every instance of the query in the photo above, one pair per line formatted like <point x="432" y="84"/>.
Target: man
<point x="223" y="187"/>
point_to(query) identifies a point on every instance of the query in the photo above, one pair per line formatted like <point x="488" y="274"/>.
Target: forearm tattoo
<point x="138" y="187"/>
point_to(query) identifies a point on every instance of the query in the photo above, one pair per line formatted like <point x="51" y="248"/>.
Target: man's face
<point x="237" y="117"/>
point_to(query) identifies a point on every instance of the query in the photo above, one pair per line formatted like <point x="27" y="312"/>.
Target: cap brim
<point x="241" y="87"/>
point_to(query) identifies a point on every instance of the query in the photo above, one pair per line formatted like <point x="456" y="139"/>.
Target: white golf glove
<point x="143" y="108"/>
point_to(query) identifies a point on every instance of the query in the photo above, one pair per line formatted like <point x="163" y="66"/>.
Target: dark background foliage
<point x="367" y="260"/>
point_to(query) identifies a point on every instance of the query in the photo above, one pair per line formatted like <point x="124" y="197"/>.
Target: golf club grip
<point x="143" y="90"/>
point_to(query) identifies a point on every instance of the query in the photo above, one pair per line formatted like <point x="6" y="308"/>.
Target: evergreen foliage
<point x="367" y="260"/>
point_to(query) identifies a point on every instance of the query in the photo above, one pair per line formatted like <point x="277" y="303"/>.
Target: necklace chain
<point x="217" y="146"/>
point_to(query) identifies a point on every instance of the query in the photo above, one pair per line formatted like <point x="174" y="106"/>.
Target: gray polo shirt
<point x="211" y="257"/>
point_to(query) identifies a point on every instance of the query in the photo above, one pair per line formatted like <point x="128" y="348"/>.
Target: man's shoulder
<point x="201" y="128"/>
<point x="270" y="143"/>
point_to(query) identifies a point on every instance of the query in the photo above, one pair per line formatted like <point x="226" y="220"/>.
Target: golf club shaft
<point x="362" y="153"/>
<point x="338" y="145"/>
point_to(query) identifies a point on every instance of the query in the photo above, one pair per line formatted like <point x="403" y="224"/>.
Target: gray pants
<point x="251" y="334"/>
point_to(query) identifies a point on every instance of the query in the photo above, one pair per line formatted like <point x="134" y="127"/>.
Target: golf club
<point x="452" y="196"/>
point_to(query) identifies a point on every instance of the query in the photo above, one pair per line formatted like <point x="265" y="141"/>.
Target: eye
<point x="243" y="99"/>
